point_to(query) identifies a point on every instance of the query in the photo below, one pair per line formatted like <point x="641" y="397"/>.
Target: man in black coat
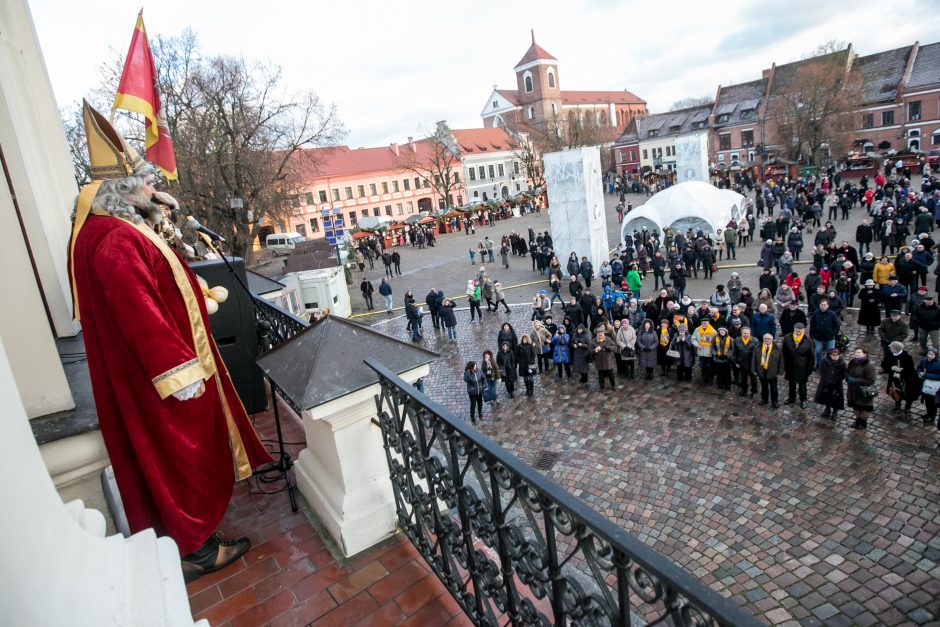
<point x="864" y="235"/>
<point x="824" y="327"/>
<point x="743" y="359"/>
<point x="790" y="316"/>
<point x="766" y="367"/>
<point x="367" y="291"/>
<point x="434" y="300"/>
<point x="799" y="358"/>
<point x="928" y="319"/>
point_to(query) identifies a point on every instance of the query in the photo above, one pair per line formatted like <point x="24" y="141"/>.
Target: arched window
<point x="527" y="79"/>
<point x="531" y="112"/>
<point x="551" y="79"/>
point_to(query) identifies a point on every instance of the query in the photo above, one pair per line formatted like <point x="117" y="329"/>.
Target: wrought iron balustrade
<point x="512" y="546"/>
<point x="275" y="326"/>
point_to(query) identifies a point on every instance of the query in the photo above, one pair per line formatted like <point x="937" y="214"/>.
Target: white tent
<point x="692" y="204"/>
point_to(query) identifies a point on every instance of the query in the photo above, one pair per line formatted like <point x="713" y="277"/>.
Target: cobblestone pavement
<point x="800" y="520"/>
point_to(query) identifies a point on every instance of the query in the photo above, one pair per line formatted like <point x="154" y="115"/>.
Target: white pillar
<point x="576" y="204"/>
<point x="56" y="566"/>
<point x="343" y="472"/>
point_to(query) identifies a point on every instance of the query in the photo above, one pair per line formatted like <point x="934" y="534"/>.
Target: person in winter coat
<point x="720" y="300"/>
<point x="486" y="290"/>
<point x="634" y="282"/>
<point x="499" y="296"/>
<point x="795" y="243"/>
<point x="449" y="319"/>
<point x="647" y="342"/>
<point x="734" y="286"/>
<point x="506" y="361"/>
<point x="476" y="384"/>
<point x="561" y="351"/>
<point x="605" y="350"/>
<point x="928" y="322"/>
<point x="703" y="340"/>
<point x="763" y="322"/>
<point x="541" y="340"/>
<point x="902" y="376"/>
<point x="869" y="312"/>
<point x="581" y="347"/>
<point x="507" y="334"/>
<point x="799" y="359"/>
<point x="586" y="271"/>
<point x="527" y="362"/>
<point x="782" y="299"/>
<point x="766" y="367"/>
<point x="664" y="339"/>
<point x="722" y="351"/>
<point x="824" y="326"/>
<point x="882" y="272"/>
<point x="490" y="370"/>
<point x="708" y="261"/>
<point x="829" y="392"/>
<point x="433" y="300"/>
<point x="742" y="358"/>
<point x="626" y="344"/>
<point x="573" y="267"/>
<point x="860" y="376"/>
<point x="473" y="299"/>
<point x="682" y="344"/>
<point x="767" y="259"/>
<point x="385" y="289"/>
<point x="928" y="370"/>
<point x="413" y="314"/>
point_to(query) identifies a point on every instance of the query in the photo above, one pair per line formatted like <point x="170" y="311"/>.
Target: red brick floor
<point x="290" y="577"/>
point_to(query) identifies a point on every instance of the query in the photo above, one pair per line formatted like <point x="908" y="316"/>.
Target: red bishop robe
<point x="147" y="336"/>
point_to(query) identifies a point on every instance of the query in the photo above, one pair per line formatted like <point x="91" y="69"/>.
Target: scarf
<point x="745" y="340"/>
<point x="765" y="355"/>
<point x="723" y="351"/>
<point x="798" y="337"/>
<point x="664" y="337"/>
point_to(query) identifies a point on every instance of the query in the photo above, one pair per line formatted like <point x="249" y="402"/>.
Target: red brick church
<point x="538" y="99"/>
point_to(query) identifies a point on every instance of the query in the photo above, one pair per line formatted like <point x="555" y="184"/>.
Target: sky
<point x="393" y="69"/>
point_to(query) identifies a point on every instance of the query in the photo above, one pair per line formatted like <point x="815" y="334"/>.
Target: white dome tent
<point x="692" y="204"/>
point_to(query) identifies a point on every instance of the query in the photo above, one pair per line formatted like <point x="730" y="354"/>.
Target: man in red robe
<point x="176" y="432"/>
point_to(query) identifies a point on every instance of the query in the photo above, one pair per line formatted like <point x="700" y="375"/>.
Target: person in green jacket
<point x="634" y="282"/>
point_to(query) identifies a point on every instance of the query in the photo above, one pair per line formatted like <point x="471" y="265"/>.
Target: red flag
<point x="137" y="92"/>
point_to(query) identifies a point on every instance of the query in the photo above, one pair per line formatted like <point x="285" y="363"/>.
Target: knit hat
<point x="896" y="346"/>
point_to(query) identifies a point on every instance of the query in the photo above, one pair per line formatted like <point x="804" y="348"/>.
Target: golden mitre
<point x="110" y="155"/>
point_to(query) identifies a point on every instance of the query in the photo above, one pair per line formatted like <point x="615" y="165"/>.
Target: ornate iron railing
<point x="512" y="546"/>
<point x="274" y="325"/>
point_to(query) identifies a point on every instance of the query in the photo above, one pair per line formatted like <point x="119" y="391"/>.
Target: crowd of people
<point x="792" y="329"/>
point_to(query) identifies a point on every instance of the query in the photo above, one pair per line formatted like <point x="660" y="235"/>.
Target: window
<point x="301" y="229"/>
<point x="551" y="82"/>
<point x="747" y="114"/>
<point x="398" y="210"/>
<point x="394" y="186"/>
<point x="482" y="172"/>
<point x="437" y="180"/>
<point x="352" y="218"/>
<point x="935" y="139"/>
<point x="322" y="195"/>
<point x="411" y="207"/>
<point x="384" y="187"/>
<point x="868" y="120"/>
<point x="376" y="212"/>
<point x="495" y="105"/>
<point x="348" y="191"/>
<point x="887" y="118"/>
<point x="724" y="117"/>
<point x="417" y="183"/>
<point x="472" y="173"/>
<point x="476" y="194"/>
<point x="407" y="184"/>
<point x="654" y="132"/>
<point x="531" y="112"/>
<point x="314" y="225"/>
<point x="309" y="198"/>
<point x="747" y="139"/>
<point x="645" y="156"/>
<point x="365" y="213"/>
<point x="632" y="155"/>
<point x="388" y="210"/>
<point x="518" y="187"/>
<point x="721" y="157"/>
<point x="457" y="177"/>
<point x="724" y="141"/>
<point x="361" y="190"/>
<point x="372" y="190"/>
<point x="528" y="82"/>
<point x="515" y="167"/>
<point x="427" y="183"/>
<point x="913" y="110"/>
<point x="499" y="168"/>
<point x="492" y="172"/>
<point x="734" y="156"/>
<point x="335" y="193"/>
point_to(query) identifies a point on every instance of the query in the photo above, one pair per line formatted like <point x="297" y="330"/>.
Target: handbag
<point x="672" y="353"/>
<point x="867" y="391"/>
<point x="894" y="390"/>
<point x="930" y="388"/>
<point x="628" y="353"/>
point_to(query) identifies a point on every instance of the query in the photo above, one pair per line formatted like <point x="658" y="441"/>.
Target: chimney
<point x="394" y="148"/>
<point x="411" y="144"/>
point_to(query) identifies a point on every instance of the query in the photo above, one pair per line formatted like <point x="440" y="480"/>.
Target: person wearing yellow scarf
<point x="665" y="337"/>
<point x="799" y="360"/>
<point x="743" y="356"/>
<point x="721" y="354"/>
<point x="766" y="367"/>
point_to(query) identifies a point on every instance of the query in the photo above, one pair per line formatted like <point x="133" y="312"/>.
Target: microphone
<point x="194" y="224"/>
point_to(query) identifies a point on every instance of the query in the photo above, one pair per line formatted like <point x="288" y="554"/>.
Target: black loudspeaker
<point x="234" y="331"/>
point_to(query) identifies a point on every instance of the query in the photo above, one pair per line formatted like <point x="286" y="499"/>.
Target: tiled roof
<point x="600" y="97"/>
<point x="341" y="161"/>
<point x="926" y="70"/>
<point x="534" y="53"/>
<point x="512" y="95"/>
<point x="478" y="140"/>
<point x="671" y="123"/>
<point x="881" y="72"/>
<point x="738" y="99"/>
<point x="629" y="135"/>
<point x="784" y="74"/>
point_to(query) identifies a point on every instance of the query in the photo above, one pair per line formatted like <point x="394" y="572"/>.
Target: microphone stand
<point x="283" y="462"/>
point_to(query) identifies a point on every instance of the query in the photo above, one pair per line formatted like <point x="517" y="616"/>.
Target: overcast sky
<point x="395" y="68"/>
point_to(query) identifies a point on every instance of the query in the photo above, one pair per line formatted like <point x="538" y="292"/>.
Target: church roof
<point x="535" y="53"/>
<point x="480" y="140"/>
<point x="600" y="97"/>
<point x="325" y="361"/>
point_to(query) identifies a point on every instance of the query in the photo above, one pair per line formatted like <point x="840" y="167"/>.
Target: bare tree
<point x="235" y="134"/>
<point x="436" y="161"/>
<point x="810" y="114"/>
<point x="691" y="101"/>
<point x="826" y="47"/>
<point x="526" y="152"/>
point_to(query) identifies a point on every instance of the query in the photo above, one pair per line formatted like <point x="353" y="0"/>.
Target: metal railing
<point x="512" y="546"/>
<point x="275" y="326"/>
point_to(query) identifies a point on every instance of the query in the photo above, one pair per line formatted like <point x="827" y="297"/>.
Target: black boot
<point x="213" y="555"/>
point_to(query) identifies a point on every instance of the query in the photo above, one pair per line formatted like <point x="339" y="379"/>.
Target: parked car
<point x="933" y="160"/>
<point x="283" y="243"/>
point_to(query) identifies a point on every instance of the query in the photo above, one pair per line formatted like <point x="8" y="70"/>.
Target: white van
<point x="283" y="243"/>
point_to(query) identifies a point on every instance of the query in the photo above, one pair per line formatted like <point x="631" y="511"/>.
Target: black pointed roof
<point x="325" y="361"/>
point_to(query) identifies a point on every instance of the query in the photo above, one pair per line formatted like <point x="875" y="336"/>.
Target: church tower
<point x="539" y="86"/>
